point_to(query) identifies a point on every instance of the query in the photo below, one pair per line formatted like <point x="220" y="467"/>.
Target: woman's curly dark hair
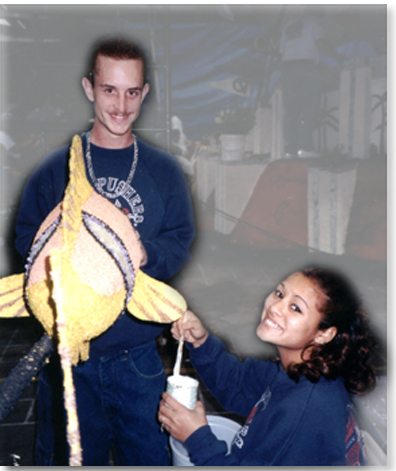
<point x="347" y="354"/>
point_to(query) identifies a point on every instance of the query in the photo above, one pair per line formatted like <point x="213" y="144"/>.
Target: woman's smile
<point x="271" y="323"/>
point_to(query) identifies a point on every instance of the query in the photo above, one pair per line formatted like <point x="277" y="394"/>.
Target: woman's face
<point x="291" y="317"/>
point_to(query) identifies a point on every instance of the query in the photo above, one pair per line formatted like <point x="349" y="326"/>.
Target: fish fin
<point x="155" y="301"/>
<point x="77" y="192"/>
<point x="12" y="302"/>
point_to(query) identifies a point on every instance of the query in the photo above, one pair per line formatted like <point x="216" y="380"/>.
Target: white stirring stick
<point x="176" y="369"/>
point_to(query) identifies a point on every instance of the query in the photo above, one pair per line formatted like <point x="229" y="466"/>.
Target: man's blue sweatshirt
<point x="157" y="202"/>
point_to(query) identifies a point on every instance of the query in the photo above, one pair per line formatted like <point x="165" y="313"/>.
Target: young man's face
<point x="117" y="94"/>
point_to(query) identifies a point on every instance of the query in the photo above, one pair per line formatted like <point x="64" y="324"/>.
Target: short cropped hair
<point x="115" y="47"/>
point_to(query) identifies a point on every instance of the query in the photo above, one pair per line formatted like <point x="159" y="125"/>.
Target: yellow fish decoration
<point x="82" y="272"/>
<point x="100" y="255"/>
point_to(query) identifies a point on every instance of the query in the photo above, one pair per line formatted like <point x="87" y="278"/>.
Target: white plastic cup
<point x="184" y="389"/>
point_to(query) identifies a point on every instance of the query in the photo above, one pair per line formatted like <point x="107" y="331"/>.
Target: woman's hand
<point x="193" y="329"/>
<point x="178" y="420"/>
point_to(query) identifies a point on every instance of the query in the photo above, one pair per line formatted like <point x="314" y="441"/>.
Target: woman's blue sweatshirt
<point x="288" y="423"/>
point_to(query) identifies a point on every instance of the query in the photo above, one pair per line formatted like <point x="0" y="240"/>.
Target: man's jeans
<point x="117" y="403"/>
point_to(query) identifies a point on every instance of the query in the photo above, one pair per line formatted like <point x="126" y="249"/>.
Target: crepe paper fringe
<point x="69" y="392"/>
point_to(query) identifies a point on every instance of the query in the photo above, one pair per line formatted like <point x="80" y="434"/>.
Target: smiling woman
<point x="291" y="317"/>
<point x="298" y="406"/>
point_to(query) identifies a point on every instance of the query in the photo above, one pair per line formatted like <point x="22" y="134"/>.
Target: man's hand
<point x="143" y="251"/>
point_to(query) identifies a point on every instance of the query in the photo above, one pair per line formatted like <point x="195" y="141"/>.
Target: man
<point x="119" y="387"/>
<point x="302" y="41"/>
